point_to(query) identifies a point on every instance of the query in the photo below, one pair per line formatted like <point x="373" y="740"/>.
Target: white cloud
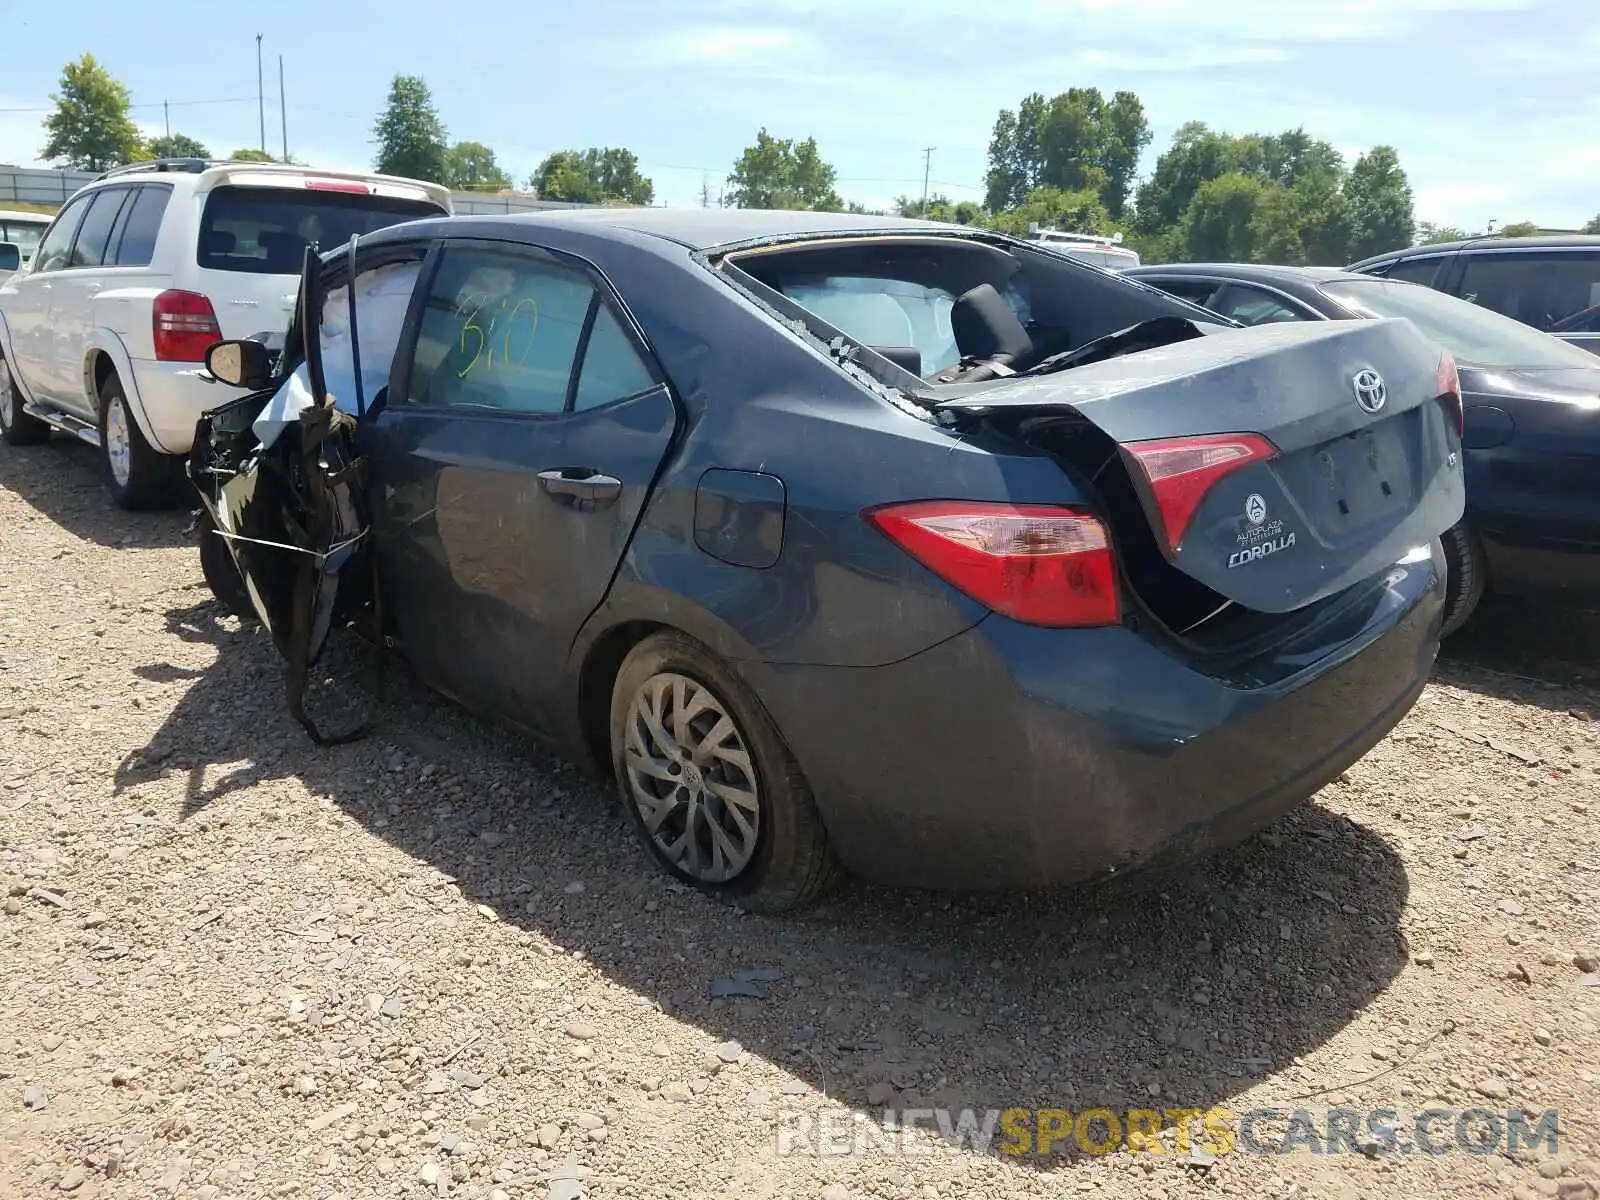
<point x="729" y="44"/>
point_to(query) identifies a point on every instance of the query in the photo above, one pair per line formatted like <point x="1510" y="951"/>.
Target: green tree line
<point x="1067" y="162"/>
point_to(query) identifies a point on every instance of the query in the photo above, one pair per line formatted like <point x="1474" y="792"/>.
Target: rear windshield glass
<point x="265" y="231"/>
<point x="1475" y="336"/>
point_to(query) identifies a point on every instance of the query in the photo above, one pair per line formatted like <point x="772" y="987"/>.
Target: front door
<point x="28" y="309"/>
<point x="510" y="462"/>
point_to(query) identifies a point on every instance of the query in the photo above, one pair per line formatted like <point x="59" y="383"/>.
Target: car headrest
<point x="986" y="329"/>
<point x="907" y="358"/>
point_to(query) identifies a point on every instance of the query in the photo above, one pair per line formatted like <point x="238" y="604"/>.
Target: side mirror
<point x="242" y="363"/>
<point x="10" y="256"/>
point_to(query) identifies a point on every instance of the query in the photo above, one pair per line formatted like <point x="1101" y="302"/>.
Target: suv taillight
<point x="183" y="325"/>
<point x="1038" y="564"/>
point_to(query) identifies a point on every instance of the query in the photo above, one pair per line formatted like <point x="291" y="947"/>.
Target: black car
<point x="1532" y="437"/>
<point x="845" y="539"/>
<point x="1550" y="282"/>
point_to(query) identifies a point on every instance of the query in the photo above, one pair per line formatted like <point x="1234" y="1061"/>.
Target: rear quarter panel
<point x="759" y="398"/>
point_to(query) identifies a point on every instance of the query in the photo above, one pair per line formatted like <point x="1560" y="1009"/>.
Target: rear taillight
<point x="183" y="324"/>
<point x="1042" y="565"/>
<point x="1447" y="386"/>
<point x="1180" y="471"/>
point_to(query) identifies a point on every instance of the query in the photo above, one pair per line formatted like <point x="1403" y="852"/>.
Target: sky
<point x="1491" y="103"/>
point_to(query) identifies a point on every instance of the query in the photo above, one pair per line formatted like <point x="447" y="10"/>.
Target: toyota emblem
<point x="1371" y="394"/>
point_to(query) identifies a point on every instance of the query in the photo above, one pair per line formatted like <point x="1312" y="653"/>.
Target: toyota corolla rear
<point x="1224" y="592"/>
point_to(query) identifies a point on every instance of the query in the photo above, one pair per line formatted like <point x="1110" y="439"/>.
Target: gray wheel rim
<point x="8" y="397"/>
<point x="119" y="453"/>
<point x="690" y="775"/>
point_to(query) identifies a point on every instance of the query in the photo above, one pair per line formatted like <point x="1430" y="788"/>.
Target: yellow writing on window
<point x="495" y="331"/>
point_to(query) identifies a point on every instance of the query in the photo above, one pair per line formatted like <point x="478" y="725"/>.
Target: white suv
<point x="103" y="333"/>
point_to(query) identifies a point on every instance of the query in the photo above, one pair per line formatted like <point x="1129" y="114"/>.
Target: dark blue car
<point x="848" y="541"/>
<point x="1532" y="439"/>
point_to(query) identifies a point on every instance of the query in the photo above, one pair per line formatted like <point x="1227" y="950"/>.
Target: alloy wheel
<point x="119" y="450"/>
<point x="692" y="779"/>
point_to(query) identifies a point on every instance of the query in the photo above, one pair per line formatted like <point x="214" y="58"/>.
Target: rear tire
<point x="1466" y="576"/>
<point x="687" y="734"/>
<point x="137" y="475"/>
<point x="221" y="572"/>
<point x="17" y="428"/>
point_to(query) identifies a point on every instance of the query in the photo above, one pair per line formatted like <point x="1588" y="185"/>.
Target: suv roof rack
<point x="191" y="166"/>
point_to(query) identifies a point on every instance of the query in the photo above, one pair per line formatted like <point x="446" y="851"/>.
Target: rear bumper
<point x="1011" y="756"/>
<point x="172" y="396"/>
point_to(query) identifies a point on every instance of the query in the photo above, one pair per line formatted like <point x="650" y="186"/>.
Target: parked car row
<point x="1532" y="432"/>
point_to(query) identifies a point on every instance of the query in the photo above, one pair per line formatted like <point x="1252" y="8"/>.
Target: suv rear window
<point x="265" y="230"/>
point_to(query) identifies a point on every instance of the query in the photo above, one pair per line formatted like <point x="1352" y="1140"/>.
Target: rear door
<point x="1539" y="287"/>
<point x="72" y="299"/>
<point x="519" y="441"/>
<point x="253" y="232"/>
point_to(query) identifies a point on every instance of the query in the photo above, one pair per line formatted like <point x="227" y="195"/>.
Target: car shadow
<point x="1542" y="654"/>
<point x="1171" y="991"/>
<point x="61" y="481"/>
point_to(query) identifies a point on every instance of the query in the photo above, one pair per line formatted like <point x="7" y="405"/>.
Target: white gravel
<point x="436" y="963"/>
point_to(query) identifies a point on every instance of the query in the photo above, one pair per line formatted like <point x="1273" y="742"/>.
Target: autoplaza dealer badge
<point x="1260" y="536"/>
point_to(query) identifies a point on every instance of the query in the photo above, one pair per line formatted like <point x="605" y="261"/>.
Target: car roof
<point x="1259" y="272"/>
<point x="18" y="214"/>
<point x="1557" y="241"/>
<point x="707" y="228"/>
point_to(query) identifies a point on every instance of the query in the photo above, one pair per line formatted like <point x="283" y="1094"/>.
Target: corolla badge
<point x="1371" y="392"/>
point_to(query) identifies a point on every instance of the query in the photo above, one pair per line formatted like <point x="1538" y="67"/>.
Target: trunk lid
<point x="1332" y="493"/>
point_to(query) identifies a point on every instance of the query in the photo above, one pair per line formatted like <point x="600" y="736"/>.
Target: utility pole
<point x="261" y="97"/>
<point x="166" y="117"/>
<point x="283" y="110"/>
<point x="927" y="165"/>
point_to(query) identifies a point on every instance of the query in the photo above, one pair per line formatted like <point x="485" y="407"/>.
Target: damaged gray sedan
<point x="847" y="542"/>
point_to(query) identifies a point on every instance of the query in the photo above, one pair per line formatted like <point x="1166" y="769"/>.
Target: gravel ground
<point x="436" y="963"/>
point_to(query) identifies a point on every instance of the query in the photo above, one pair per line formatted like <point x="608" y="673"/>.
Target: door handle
<point x="583" y="484"/>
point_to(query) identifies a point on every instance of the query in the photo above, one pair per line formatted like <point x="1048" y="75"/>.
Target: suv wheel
<point x="137" y="475"/>
<point x="17" y="428"/>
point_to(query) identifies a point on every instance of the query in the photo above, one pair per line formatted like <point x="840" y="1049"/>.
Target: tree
<point x="1197" y="154"/>
<point x="1379" y="199"/>
<point x="1429" y="234"/>
<point x="409" y="133"/>
<point x="471" y="167"/>
<point x="251" y="154"/>
<point x="783" y="173"/>
<point x="598" y="175"/>
<point x="90" y="128"/>
<point x="1221" y="222"/>
<point x="176" y="145"/>
<point x="1074" y="141"/>
<point x="1594" y="225"/>
<point x="1519" y="229"/>
<point x="1080" y="211"/>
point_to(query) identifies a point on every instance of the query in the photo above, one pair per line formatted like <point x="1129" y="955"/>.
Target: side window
<point x="140" y="225"/>
<point x="612" y="367"/>
<point x="500" y="332"/>
<point x="89" y="250"/>
<point x="1195" y="291"/>
<point x="1415" y="270"/>
<point x="1252" y="306"/>
<point x="1537" y="288"/>
<point x="52" y="253"/>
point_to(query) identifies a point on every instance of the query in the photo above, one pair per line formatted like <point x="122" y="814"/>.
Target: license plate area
<point x="1355" y="480"/>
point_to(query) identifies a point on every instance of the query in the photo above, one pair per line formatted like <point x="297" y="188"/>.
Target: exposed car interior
<point x="955" y="309"/>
